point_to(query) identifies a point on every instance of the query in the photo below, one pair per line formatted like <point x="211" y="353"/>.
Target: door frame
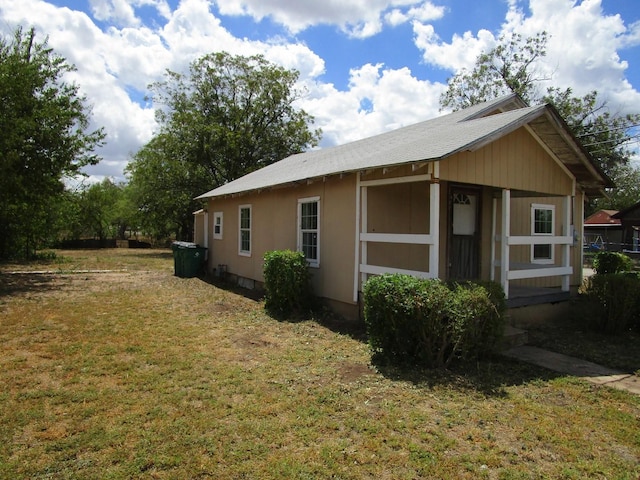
<point x="475" y="190"/>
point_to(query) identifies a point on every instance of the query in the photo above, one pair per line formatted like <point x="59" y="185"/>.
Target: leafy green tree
<point x="162" y="185"/>
<point x="510" y="67"/>
<point x="45" y="138"/>
<point x="98" y="209"/>
<point x="627" y="191"/>
<point x="604" y="134"/>
<point x="228" y="116"/>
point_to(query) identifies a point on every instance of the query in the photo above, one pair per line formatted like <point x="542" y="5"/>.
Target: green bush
<point x="611" y="302"/>
<point x="410" y="320"/>
<point x="286" y="283"/>
<point x="481" y="308"/>
<point x="611" y="262"/>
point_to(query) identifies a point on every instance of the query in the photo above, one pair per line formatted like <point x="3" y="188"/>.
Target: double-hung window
<point x="309" y="229"/>
<point x="542" y="224"/>
<point x="217" y="225"/>
<point x="244" y="231"/>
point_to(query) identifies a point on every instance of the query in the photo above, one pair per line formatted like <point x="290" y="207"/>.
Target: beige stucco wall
<point x="400" y="208"/>
<point x="274" y="218"/>
<point x="516" y="161"/>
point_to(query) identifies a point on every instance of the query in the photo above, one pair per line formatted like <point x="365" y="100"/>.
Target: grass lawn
<point x="135" y="373"/>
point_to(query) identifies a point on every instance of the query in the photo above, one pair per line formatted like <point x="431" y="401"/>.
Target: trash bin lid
<point x="184" y="245"/>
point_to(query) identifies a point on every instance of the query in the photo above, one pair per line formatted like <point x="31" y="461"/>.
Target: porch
<point x="525" y="296"/>
<point x="532" y="258"/>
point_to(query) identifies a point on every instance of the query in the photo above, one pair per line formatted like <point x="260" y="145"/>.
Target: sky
<point x="367" y="66"/>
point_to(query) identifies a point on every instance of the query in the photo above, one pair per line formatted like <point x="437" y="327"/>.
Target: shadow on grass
<point x="319" y="313"/>
<point x="571" y="337"/>
<point x="251" y="294"/>
<point x="24" y="283"/>
<point x="489" y="376"/>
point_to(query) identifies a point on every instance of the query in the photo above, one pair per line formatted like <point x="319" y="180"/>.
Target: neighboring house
<point x="630" y="220"/>
<point x="602" y="231"/>
<point x="492" y="192"/>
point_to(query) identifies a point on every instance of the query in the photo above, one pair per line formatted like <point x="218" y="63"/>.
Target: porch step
<point x="514" y="337"/>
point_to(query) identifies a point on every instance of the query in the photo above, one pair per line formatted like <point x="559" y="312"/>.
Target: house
<point x="602" y="231"/>
<point x="492" y="192"/>
<point x="630" y="221"/>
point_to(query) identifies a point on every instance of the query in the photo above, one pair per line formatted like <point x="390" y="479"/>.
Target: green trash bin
<point x="188" y="259"/>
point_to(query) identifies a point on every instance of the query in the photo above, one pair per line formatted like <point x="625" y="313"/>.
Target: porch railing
<point x="518" y="271"/>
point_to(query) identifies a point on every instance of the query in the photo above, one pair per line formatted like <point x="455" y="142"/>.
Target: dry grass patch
<point x="139" y="374"/>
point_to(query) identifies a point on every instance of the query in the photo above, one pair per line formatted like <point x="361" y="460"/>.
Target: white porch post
<point x="364" y="229"/>
<point x="494" y="226"/>
<point x="504" y="243"/>
<point x="434" y="228"/>
<point x="356" y="267"/>
<point x="206" y="234"/>
<point x="580" y="214"/>
<point x="566" y="248"/>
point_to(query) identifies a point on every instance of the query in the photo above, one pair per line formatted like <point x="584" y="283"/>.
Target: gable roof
<point x="431" y="140"/>
<point x="603" y="218"/>
<point x="629" y="211"/>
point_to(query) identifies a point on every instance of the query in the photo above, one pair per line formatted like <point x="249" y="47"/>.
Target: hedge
<point x="428" y="322"/>
<point x="610" y="302"/>
<point x="286" y="282"/>
<point x="612" y="262"/>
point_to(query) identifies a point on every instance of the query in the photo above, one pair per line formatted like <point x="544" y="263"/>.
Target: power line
<point x="626" y="127"/>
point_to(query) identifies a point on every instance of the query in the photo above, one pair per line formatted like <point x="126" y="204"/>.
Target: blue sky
<point x="368" y="65"/>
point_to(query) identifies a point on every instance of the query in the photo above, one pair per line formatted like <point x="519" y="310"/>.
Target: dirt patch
<point x="351" y="372"/>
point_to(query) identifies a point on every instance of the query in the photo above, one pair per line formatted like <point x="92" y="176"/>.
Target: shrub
<point x="410" y="320"/>
<point x="611" y="302"/>
<point x="611" y="262"/>
<point x="481" y="308"/>
<point x="399" y="310"/>
<point x="286" y="283"/>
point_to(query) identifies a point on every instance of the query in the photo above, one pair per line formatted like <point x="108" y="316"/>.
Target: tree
<point x="507" y="68"/>
<point x="230" y="115"/>
<point x="162" y="184"/>
<point x="98" y="210"/>
<point x="44" y="123"/>
<point x="627" y="191"/>
<point x="511" y="68"/>
<point x="604" y="134"/>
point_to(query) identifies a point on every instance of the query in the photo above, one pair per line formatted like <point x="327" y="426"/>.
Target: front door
<point x="464" y="208"/>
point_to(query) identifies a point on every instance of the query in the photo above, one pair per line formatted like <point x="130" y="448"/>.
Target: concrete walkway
<point x="588" y="371"/>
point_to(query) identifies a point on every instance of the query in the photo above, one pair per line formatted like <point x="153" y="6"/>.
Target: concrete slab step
<point x="589" y="371"/>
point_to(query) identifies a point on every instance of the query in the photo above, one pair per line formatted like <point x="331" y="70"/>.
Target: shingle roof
<point x="430" y="140"/>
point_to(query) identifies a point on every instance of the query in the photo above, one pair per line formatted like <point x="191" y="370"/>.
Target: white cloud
<point x="460" y="53"/>
<point x="582" y="51"/>
<point x="116" y="64"/>
<point x="119" y="11"/>
<point x="357" y="18"/>
<point x="122" y="12"/>
<point x="377" y="100"/>
<point x="425" y="12"/>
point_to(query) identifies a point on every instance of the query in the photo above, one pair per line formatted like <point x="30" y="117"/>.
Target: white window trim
<point x="244" y="253"/>
<point x="216" y="215"/>
<point x="542" y="206"/>
<point x="315" y="263"/>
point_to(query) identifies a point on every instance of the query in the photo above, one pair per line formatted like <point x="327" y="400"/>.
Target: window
<point x="244" y="234"/>
<point x="217" y="225"/>
<point x="542" y="223"/>
<point x="309" y="229"/>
